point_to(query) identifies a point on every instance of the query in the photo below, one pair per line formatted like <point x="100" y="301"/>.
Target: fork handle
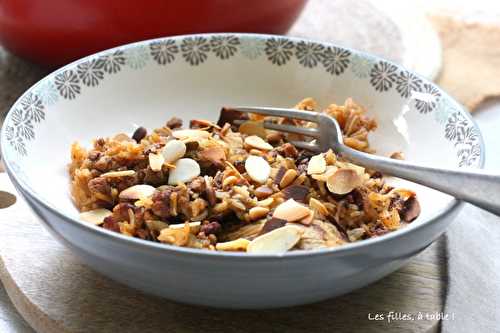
<point x="479" y="187"/>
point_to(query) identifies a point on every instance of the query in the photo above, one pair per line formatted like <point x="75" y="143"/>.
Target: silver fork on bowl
<point x="478" y="187"/>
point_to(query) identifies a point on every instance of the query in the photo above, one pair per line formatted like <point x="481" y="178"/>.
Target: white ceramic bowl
<point x="145" y="83"/>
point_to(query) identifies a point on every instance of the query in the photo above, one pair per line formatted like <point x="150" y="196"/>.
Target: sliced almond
<point x="116" y="174"/>
<point x="239" y="244"/>
<point x="330" y="170"/>
<point x="194" y="227"/>
<point x="355" y="234"/>
<point x="257" y="142"/>
<point x="137" y="192"/>
<point x="173" y="150"/>
<point x="256" y="213"/>
<point x="277" y="241"/>
<point x="156" y="161"/>
<point x="251" y="127"/>
<point x="291" y="211"/>
<point x="263" y="192"/>
<point x="186" y="169"/>
<point x="191" y="134"/>
<point x="288" y="178"/>
<point x="258" y="169"/>
<point x="95" y="216"/>
<point x="346" y="165"/>
<point x="318" y="206"/>
<point x="203" y="123"/>
<point x="330" y="157"/>
<point x="343" y="181"/>
<point x="316" y="165"/>
<point x="308" y="219"/>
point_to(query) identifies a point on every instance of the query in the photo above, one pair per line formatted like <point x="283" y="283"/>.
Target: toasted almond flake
<point x="288" y="178"/>
<point x="239" y="244"/>
<point x="330" y="157"/>
<point x="173" y="150"/>
<point x="156" y="161"/>
<point x="276" y="241"/>
<point x="194" y="227"/>
<point x="251" y="127"/>
<point x="291" y="211"/>
<point x="343" y="181"/>
<point x="346" y="165"/>
<point x="317" y="165"/>
<point x="95" y="216"/>
<point x="203" y="122"/>
<point x="137" y="192"/>
<point x="330" y="170"/>
<point x="318" y="206"/>
<point x="308" y="219"/>
<point x="190" y="134"/>
<point x="257" y="142"/>
<point x="256" y="213"/>
<point x="115" y="174"/>
<point x="265" y="203"/>
<point x="258" y="169"/>
<point x="355" y="234"/>
<point x="186" y="169"/>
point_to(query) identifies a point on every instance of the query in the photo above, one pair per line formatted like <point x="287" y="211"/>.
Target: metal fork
<point x="479" y="187"/>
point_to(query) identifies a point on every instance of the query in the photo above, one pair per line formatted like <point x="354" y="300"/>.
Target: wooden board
<point x="55" y="292"/>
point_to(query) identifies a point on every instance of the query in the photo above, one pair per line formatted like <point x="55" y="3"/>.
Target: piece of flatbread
<point x="471" y="60"/>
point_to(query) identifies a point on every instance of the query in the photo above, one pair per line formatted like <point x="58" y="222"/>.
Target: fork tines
<point x="279" y="112"/>
<point x="285" y="113"/>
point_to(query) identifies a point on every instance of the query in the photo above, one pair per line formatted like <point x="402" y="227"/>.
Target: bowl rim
<point x="25" y="190"/>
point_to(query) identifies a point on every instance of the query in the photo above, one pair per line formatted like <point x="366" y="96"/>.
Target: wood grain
<point x="55" y="292"/>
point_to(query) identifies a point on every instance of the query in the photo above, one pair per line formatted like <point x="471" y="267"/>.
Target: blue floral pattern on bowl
<point x="197" y="50"/>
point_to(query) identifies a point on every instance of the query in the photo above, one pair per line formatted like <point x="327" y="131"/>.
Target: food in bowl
<point x="235" y="186"/>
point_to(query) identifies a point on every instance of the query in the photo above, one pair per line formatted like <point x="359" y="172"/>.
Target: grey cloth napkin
<point x="473" y="257"/>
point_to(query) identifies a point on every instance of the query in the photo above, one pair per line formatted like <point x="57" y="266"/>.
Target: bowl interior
<point x="146" y="83"/>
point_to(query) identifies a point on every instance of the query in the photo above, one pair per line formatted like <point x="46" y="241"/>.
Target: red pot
<point x="55" y="32"/>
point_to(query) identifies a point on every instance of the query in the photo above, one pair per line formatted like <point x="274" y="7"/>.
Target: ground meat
<point x="210" y="228"/>
<point x="99" y="185"/>
<point x="111" y="224"/>
<point x="161" y="202"/>
<point x="289" y="150"/>
<point x="120" y="212"/>
<point x="154" y="178"/>
<point x="240" y="166"/>
<point x="94" y="155"/>
<point x="174" y="122"/>
<point x="197" y="185"/>
<point x="103" y="163"/>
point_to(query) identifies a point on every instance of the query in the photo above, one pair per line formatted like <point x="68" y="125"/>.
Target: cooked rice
<point x="214" y="197"/>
